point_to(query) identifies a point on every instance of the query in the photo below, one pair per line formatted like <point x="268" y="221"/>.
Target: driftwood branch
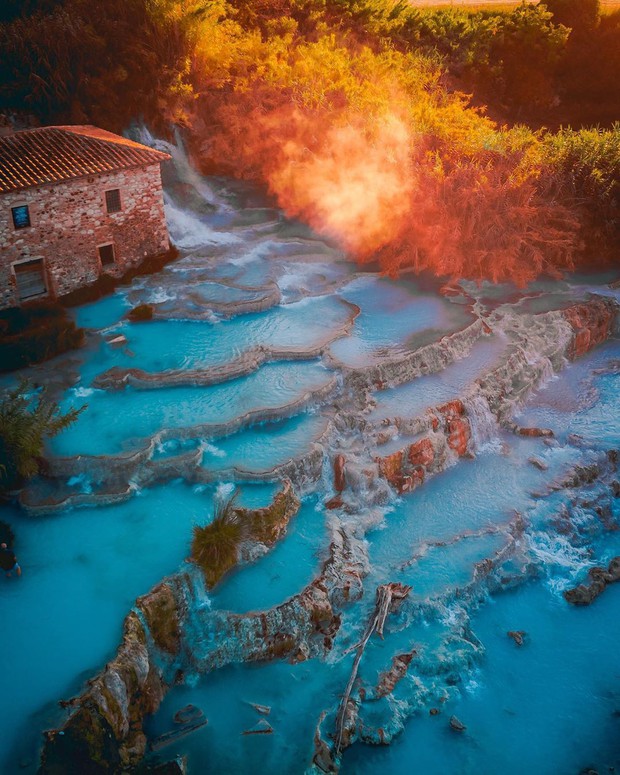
<point x="387" y="595"/>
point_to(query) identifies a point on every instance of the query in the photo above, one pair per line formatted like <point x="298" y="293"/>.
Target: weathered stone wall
<point x="69" y="220"/>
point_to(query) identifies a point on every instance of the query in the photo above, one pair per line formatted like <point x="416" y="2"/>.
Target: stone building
<point x="75" y="202"/>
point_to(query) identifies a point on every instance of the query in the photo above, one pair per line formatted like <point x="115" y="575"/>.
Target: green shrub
<point x="26" y="420"/>
<point x="214" y="546"/>
<point x="36" y="333"/>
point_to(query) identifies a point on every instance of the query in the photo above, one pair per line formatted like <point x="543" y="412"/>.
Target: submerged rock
<point x="176" y="766"/>
<point x="187" y="714"/>
<point x="117" y="341"/>
<point x="456" y="724"/>
<point x="535" y="432"/>
<point x="265" y="710"/>
<point x="177" y="734"/>
<point x="140" y="313"/>
<point x="538" y="463"/>
<point x="518" y="636"/>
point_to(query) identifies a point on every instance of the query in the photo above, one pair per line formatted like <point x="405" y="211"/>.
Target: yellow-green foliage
<point x="214" y="546"/>
<point x="26" y="421"/>
<point x="276" y="90"/>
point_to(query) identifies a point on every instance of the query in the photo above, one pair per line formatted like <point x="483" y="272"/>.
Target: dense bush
<point x="35" y="333"/>
<point x="585" y="166"/>
<point x="349" y="111"/>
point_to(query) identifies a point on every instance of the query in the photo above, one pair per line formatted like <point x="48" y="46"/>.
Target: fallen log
<point x="262" y="728"/>
<point x="176" y="734"/>
<point x="387" y="595"/>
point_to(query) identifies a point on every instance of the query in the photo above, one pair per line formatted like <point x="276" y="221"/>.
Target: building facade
<point x="75" y="203"/>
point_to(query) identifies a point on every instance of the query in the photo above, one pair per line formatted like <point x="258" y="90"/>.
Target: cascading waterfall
<point x="483" y="423"/>
<point x="489" y="532"/>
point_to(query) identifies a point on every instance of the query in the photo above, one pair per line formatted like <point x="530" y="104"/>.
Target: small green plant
<point x="214" y="546"/>
<point x="26" y="420"/>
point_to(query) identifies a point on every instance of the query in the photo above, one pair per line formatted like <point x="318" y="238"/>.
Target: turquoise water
<point x="594" y="401"/>
<point x="391" y="313"/>
<point x="111" y="419"/>
<point x="82" y="572"/>
<point x="284" y="571"/>
<point x="263" y="447"/>
<point x="303" y="325"/>
<point x="550" y="707"/>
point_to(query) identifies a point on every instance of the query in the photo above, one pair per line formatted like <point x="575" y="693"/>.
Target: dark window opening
<point x="113" y="200"/>
<point x="21" y="216"/>
<point x="106" y="254"/>
<point x="30" y="279"/>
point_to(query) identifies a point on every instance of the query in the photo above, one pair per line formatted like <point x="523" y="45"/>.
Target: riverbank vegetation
<point x="356" y="116"/>
<point x="27" y="419"/>
<point x="35" y="333"/>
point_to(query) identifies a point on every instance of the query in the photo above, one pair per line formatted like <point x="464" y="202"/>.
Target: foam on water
<point x="189" y="231"/>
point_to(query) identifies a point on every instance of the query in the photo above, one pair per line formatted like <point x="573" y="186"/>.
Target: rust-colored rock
<point x="391" y="467"/>
<point x="397" y="671"/>
<point x="334" y="503"/>
<point x="459" y="434"/>
<point x="417" y="475"/>
<point x="339" y="480"/>
<point x="536" y="432"/>
<point x="422" y="453"/>
<point x="592" y="323"/>
<point x="452" y="409"/>
<point x="404" y="484"/>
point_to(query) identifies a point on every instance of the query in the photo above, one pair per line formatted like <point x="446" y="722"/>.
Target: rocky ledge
<point x="172" y="633"/>
<point x="598" y="580"/>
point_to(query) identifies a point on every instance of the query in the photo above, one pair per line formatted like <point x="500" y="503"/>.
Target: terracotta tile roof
<point x="50" y="154"/>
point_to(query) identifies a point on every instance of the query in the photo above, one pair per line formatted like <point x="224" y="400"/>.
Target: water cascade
<point x="424" y="480"/>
